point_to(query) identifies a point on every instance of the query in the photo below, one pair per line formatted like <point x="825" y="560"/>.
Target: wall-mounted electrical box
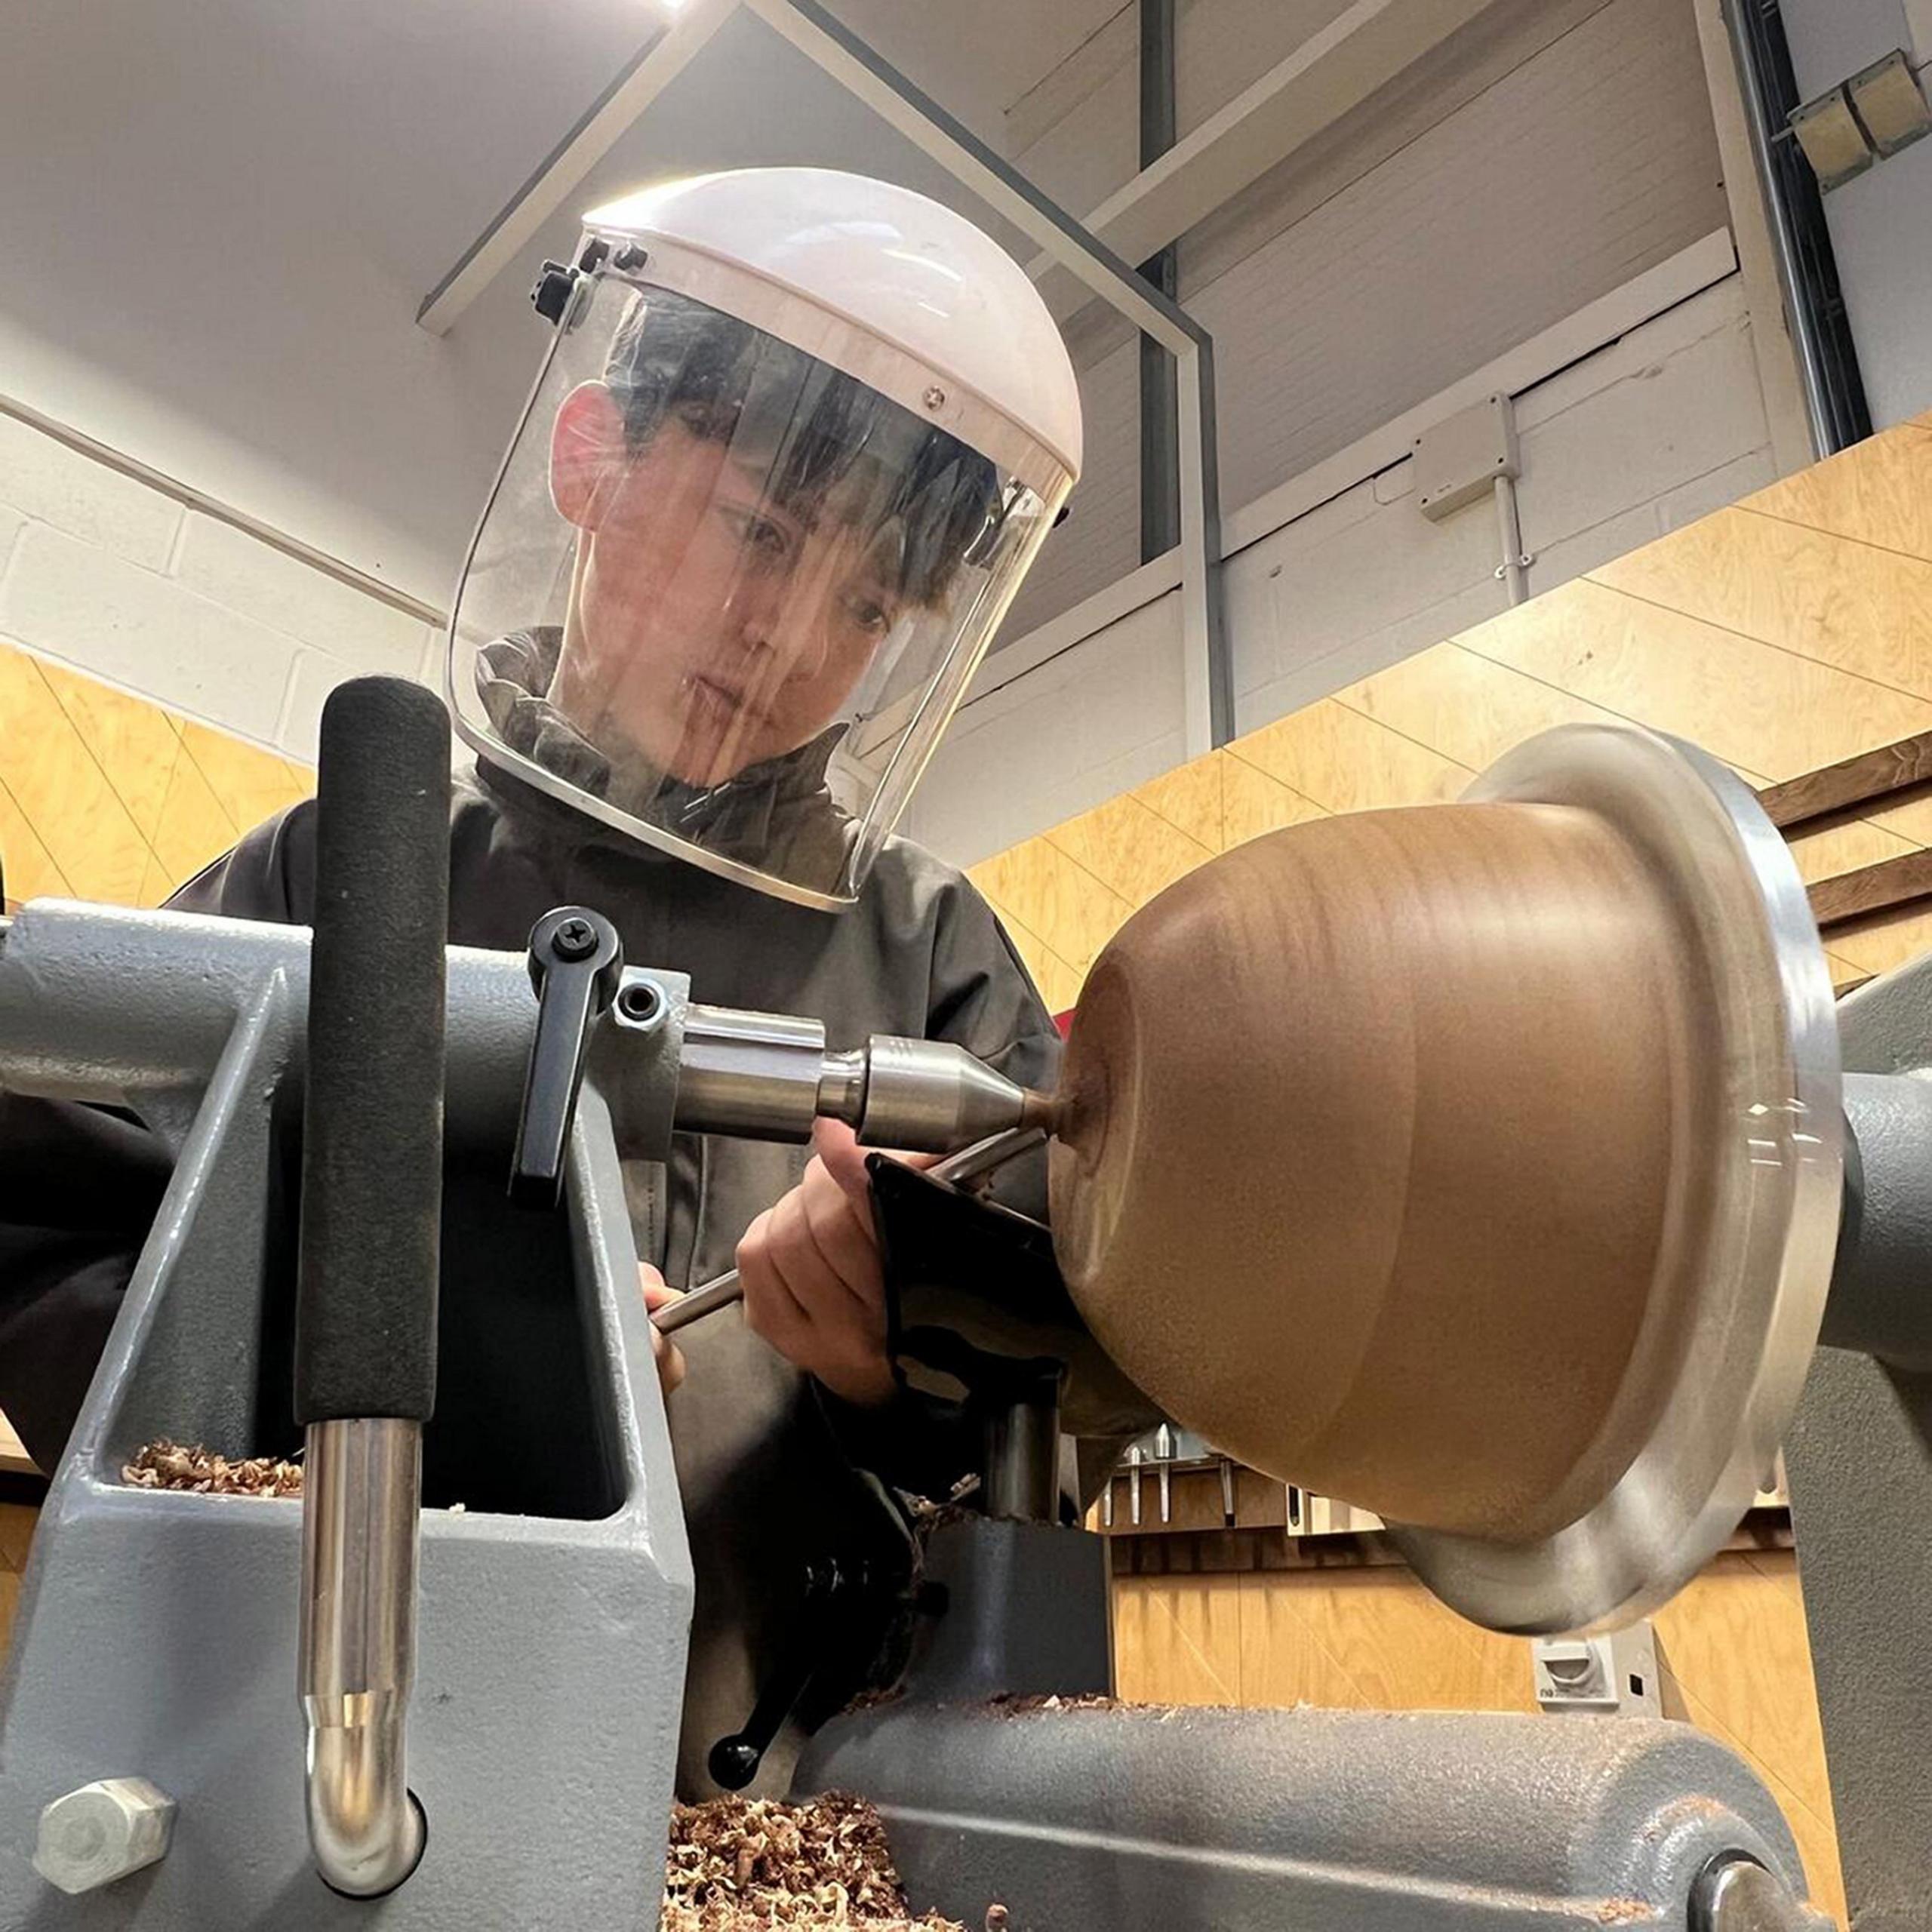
<point x="1459" y="459"/>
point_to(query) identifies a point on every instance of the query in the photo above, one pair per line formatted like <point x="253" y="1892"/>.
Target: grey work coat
<point x="762" y="1454"/>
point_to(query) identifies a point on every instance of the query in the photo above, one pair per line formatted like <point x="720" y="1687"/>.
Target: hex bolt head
<point x="102" y="1832"/>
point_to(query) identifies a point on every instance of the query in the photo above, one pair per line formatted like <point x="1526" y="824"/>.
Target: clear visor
<point x="725" y="596"/>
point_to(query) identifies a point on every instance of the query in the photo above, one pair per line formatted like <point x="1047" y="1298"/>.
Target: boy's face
<point x="709" y="629"/>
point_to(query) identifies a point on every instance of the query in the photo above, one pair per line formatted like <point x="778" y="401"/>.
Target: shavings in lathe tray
<point x="751" y="1864"/>
<point x="161" y="1464"/>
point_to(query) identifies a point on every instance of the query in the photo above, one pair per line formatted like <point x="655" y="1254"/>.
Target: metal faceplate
<point x="1774" y="1175"/>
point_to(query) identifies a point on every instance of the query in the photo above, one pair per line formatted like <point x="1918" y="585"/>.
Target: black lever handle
<point x="576" y="960"/>
<point x="372" y="1118"/>
<point x="733" y="1761"/>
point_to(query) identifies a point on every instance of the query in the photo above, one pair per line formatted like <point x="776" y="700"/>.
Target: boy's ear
<point x="587" y="453"/>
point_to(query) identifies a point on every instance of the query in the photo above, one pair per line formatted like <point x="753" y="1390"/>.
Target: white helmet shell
<point x="960" y="335"/>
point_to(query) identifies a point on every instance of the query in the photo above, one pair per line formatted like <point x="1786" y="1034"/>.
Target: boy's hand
<point x="814" y="1287"/>
<point x="657" y="1295"/>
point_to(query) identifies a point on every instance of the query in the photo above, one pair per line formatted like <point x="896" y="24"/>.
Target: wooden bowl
<point x="1379" y="1158"/>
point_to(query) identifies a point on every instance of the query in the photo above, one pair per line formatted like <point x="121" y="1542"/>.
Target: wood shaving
<point x="927" y="1513"/>
<point x="165" y="1465"/>
<point x="1009" y="1704"/>
<point x="751" y="1864"/>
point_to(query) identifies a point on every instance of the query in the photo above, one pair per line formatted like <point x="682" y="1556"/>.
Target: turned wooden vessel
<point x="1383" y="1158"/>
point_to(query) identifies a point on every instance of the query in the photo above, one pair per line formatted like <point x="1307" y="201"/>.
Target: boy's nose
<point x="789" y="630"/>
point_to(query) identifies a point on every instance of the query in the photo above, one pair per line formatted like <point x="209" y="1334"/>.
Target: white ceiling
<point x="977" y="57"/>
<point x="218" y="218"/>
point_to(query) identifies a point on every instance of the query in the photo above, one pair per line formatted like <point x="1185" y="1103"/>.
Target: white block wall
<point x="1544" y="156"/>
<point x="1649" y="433"/>
<point x="153" y="593"/>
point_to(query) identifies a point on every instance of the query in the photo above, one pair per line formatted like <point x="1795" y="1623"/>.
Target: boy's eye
<point x="771" y="542"/>
<point x="869" y="614"/>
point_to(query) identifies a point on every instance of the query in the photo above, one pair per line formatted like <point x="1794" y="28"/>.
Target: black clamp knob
<point x="576" y="960"/>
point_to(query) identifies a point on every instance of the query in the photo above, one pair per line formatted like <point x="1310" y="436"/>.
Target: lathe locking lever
<point x="576" y="960"/>
<point x="846" y="1604"/>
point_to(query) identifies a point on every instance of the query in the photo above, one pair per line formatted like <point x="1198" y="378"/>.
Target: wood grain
<point x="1345" y="762"/>
<point x="1811" y="592"/>
<point x="1887" y="940"/>
<point x="1189" y="799"/>
<point x="61" y="790"/>
<point x="1466" y="705"/>
<point x="1401" y="1273"/>
<point x="194" y="828"/>
<point x="1860" y="780"/>
<point x="1065" y="905"/>
<point x="1879" y="888"/>
<point x="1830" y="847"/>
<point x="1751" y="704"/>
<point x="9" y="1598"/>
<point x="135" y="743"/>
<point x="1879" y="492"/>
<point x="30" y="867"/>
<point x="250" y="784"/>
<point x="1129" y="847"/>
<point x="1254" y="803"/>
<point x="16" y="1527"/>
<point x="1178" y="1641"/>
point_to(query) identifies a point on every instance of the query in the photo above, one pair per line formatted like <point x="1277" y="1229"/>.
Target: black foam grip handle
<point x="372" y="1120"/>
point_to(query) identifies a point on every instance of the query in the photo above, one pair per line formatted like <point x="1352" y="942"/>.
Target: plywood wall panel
<point x="1806" y="591"/>
<point x="1130" y="848"/>
<point x="249" y="784"/>
<point x="1732" y="1649"/>
<point x="62" y="791"/>
<point x="1189" y="799"/>
<point x="135" y="743"/>
<point x="105" y="796"/>
<point x="1345" y="762"/>
<point x="1253" y="802"/>
<point x="1465" y="705"/>
<point x="1878" y="493"/>
<point x="1751" y="704"/>
<point x="30" y="871"/>
<point x="1177" y="1640"/>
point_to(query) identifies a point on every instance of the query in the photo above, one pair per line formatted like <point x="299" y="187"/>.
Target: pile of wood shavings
<point x="749" y="1864"/>
<point x="165" y="1465"/>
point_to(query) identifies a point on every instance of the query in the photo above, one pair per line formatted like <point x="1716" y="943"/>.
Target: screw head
<point x="935" y="396"/>
<point x="575" y="939"/>
<point x="102" y="1832"/>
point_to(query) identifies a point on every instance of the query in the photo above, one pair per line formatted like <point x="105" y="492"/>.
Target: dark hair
<point x="829" y="439"/>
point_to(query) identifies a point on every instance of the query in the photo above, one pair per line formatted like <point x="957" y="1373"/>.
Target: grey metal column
<point x="1859" y="1462"/>
<point x="1160" y="405"/>
<point x="1807" y="272"/>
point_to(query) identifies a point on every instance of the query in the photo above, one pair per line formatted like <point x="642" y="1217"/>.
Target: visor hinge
<point x="551" y="297"/>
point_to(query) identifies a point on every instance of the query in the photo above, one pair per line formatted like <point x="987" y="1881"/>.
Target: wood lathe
<point x="1491" y="1165"/>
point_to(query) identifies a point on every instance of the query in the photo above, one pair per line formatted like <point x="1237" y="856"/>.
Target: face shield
<point x="728" y="592"/>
